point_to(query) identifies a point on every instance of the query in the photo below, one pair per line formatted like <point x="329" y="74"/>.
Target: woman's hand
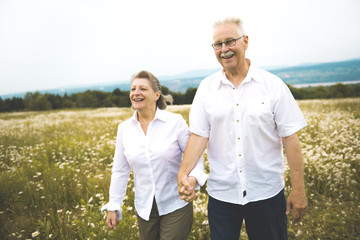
<point x="111" y="219"/>
<point x="186" y="188"/>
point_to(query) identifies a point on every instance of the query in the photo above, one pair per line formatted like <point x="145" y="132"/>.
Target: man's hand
<point x="298" y="202"/>
<point x="111" y="219"/>
<point x="186" y="188"/>
<point x="194" y="149"/>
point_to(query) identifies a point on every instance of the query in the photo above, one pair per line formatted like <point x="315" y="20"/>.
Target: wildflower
<point x="34" y="234"/>
<point x="59" y="211"/>
<point x="100" y="176"/>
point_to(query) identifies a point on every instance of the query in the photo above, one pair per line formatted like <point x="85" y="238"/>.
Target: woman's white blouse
<point x="155" y="159"/>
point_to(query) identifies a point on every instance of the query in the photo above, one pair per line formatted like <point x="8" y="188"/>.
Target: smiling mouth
<point x="227" y="55"/>
<point x="138" y="99"/>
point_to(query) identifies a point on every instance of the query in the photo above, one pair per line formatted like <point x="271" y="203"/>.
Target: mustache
<point x="227" y="54"/>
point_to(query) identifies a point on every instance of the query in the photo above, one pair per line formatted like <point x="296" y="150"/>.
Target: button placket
<point x="238" y="141"/>
<point x="240" y="151"/>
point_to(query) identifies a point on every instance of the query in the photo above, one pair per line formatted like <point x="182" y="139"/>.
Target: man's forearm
<point x="295" y="160"/>
<point x="195" y="147"/>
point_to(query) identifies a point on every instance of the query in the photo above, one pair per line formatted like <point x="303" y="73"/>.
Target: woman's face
<point x="142" y="95"/>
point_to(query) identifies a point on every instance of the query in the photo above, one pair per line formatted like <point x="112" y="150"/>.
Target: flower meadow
<point x="55" y="170"/>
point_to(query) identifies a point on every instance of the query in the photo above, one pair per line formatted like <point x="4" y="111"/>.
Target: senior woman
<point x="151" y="144"/>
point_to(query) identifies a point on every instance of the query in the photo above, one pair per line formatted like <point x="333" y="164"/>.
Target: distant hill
<point x="314" y="73"/>
<point x="321" y="73"/>
<point x="305" y="74"/>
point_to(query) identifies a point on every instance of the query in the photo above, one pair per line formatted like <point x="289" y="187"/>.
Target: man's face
<point x="231" y="57"/>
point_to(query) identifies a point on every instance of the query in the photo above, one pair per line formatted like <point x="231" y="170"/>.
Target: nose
<point x="136" y="91"/>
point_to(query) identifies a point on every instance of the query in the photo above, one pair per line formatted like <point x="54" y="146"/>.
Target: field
<point x="55" y="170"/>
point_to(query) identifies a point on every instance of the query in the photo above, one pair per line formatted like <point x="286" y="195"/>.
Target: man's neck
<point x="238" y="75"/>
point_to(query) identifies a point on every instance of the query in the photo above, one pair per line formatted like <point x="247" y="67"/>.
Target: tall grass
<point x="55" y="170"/>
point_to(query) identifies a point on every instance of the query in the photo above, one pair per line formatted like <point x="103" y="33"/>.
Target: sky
<point x="47" y="44"/>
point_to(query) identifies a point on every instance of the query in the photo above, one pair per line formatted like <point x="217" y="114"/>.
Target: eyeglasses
<point x="228" y="43"/>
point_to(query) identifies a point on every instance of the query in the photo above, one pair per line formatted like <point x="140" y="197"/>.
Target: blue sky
<point x="50" y="44"/>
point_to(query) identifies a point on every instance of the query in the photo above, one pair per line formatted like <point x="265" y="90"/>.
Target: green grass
<point x="55" y="170"/>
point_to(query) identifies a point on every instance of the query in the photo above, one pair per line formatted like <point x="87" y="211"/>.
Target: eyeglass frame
<point x="227" y="41"/>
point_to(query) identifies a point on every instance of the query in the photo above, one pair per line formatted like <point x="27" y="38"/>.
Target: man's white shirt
<point x="244" y="126"/>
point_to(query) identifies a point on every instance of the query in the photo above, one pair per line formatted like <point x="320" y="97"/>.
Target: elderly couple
<point x="244" y="116"/>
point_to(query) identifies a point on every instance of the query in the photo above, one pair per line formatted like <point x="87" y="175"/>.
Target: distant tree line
<point x="95" y="99"/>
<point x="88" y="99"/>
<point x="338" y="90"/>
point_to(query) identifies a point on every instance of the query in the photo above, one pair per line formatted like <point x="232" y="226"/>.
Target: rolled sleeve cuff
<point x="114" y="207"/>
<point x="200" y="133"/>
<point x="200" y="176"/>
<point x="290" y="131"/>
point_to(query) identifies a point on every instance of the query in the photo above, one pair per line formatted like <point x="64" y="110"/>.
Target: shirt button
<point x="238" y="138"/>
<point x="237" y="104"/>
<point x="237" y="120"/>
<point x="240" y="171"/>
<point x="239" y="155"/>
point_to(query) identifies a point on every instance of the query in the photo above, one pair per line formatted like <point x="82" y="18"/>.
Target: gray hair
<point x="234" y="20"/>
<point x="156" y="86"/>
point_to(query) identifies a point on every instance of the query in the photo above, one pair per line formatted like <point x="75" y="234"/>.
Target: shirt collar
<point x="252" y="74"/>
<point x="159" y="114"/>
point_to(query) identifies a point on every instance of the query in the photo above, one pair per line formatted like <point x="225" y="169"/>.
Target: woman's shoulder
<point x="171" y="117"/>
<point x="166" y="114"/>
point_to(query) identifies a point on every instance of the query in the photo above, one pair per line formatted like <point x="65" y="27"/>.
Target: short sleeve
<point x="288" y="116"/>
<point x="199" y="122"/>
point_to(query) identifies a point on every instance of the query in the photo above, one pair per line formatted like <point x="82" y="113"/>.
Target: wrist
<point x="298" y="188"/>
<point x="182" y="173"/>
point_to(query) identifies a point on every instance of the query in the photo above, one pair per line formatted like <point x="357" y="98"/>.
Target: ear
<point x="246" y="41"/>
<point x="158" y="94"/>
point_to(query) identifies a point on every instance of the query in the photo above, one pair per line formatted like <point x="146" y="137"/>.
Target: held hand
<point x="298" y="202"/>
<point x="186" y="188"/>
<point x="111" y="219"/>
<point x="182" y="183"/>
